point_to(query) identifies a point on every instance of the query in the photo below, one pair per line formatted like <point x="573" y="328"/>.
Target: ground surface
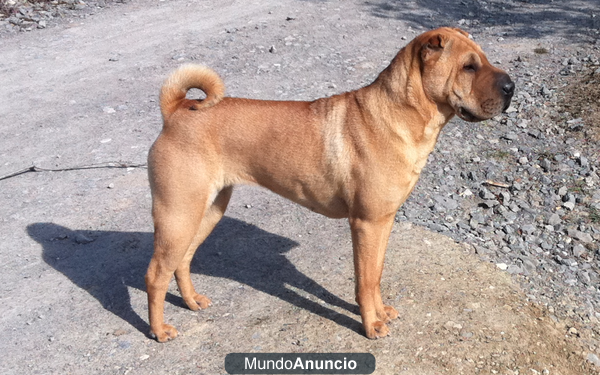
<point x="76" y="244"/>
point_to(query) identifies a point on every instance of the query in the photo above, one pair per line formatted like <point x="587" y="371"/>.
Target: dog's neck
<point x="401" y="85"/>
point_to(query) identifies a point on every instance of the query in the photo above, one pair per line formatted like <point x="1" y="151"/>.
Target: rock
<point x="593" y="358"/>
<point x="585" y="278"/>
<point x="579" y="250"/>
<point x="545" y="91"/>
<point x="502" y="266"/>
<point x="489" y="203"/>
<point x="528" y="228"/>
<point x="486" y="194"/>
<point x="446" y="203"/>
<point x="562" y="191"/>
<point x="546" y="165"/>
<point x="529" y="266"/>
<point x="82" y="239"/>
<point x="580" y="236"/>
<point x="553" y="219"/>
<point x="569" y="205"/>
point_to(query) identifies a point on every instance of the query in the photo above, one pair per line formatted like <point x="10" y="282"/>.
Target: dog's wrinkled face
<point x="455" y="72"/>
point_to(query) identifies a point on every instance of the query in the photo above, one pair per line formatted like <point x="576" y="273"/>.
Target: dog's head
<point x="456" y="73"/>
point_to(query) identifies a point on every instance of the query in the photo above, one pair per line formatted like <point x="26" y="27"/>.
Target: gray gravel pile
<point x="20" y="15"/>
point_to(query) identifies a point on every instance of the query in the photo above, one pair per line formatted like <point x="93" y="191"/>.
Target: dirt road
<point x="76" y="244"/>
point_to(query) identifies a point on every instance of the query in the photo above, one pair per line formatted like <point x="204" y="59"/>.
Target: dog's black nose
<point x="509" y="88"/>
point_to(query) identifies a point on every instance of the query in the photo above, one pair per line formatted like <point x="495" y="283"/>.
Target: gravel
<point x="25" y="16"/>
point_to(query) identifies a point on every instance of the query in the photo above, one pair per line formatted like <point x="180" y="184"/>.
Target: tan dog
<point x="356" y="155"/>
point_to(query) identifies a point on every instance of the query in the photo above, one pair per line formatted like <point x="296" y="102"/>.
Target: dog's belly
<point x="312" y="192"/>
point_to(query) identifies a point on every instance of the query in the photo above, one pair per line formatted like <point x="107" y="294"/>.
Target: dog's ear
<point x="461" y="31"/>
<point x="433" y="48"/>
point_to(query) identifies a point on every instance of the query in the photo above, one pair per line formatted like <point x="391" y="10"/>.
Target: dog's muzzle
<point x="507" y="89"/>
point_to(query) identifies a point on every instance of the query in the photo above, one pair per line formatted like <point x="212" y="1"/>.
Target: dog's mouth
<point x="467" y="115"/>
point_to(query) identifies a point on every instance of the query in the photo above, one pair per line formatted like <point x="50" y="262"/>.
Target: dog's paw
<point x="197" y="302"/>
<point x="391" y="312"/>
<point x="387" y="314"/>
<point x="165" y="333"/>
<point x="377" y="330"/>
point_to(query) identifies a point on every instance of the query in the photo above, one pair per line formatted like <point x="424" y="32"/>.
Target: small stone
<point x="569" y="205"/>
<point x="108" y="110"/>
<point x="528" y="228"/>
<point x="466" y="193"/>
<point x="486" y="194"/>
<point x="553" y="219"/>
<point x="514" y="269"/>
<point x="546" y="165"/>
<point x="144" y="357"/>
<point x="82" y="239"/>
<point x="505" y="195"/>
<point x="546" y="91"/>
<point x="580" y="236"/>
<point x="593" y="358"/>
<point x="585" y="277"/>
<point x="529" y="266"/>
<point x="566" y="261"/>
<point x="450" y="326"/>
<point x="563" y="191"/>
<point x="111" y="186"/>
<point x="120" y="332"/>
<point x="502" y="266"/>
<point x="489" y="203"/>
<point x="573" y="331"/>
<point x="579" y="250"/>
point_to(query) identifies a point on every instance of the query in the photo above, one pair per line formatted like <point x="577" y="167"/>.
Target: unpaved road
<point x="75" y="245"/>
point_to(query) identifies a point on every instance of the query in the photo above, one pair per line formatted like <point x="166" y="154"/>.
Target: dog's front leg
<point x="369" y="240"/>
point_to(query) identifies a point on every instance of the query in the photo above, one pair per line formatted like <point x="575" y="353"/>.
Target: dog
<point x="356" y="155"/>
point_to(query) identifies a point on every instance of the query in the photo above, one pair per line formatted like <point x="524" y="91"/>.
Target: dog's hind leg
<point x="179" y="228"/>
<point x="212" y="216"/>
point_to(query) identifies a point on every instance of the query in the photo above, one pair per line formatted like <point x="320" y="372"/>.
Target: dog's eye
<point x="470" y="68"/>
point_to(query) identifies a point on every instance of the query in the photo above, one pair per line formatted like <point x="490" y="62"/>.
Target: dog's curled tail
<point x="186" y="77"/>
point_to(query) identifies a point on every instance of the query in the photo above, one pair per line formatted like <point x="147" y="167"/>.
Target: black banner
<point x="300" y="363"/>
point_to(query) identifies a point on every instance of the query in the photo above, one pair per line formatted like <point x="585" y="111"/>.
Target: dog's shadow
<point x="106" y="263"/>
